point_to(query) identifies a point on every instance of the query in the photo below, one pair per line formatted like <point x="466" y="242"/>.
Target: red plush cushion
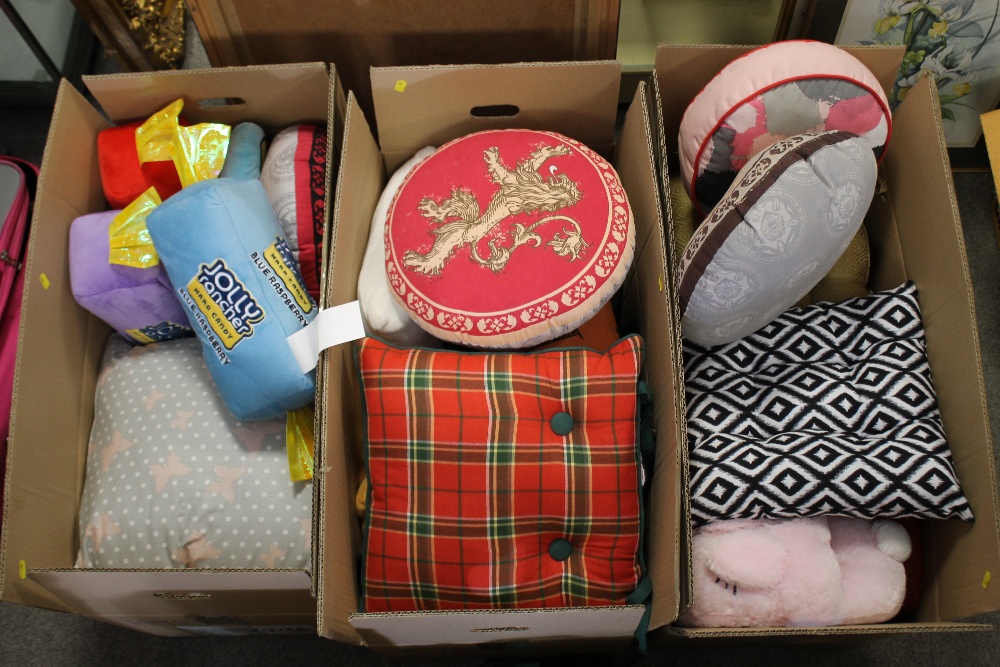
<point x="508" y="238"/>
<point x="122" y="177"/>
<point x="500" y="480"/>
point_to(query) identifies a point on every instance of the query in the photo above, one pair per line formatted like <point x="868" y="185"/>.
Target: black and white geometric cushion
<point x="829" y="409"/>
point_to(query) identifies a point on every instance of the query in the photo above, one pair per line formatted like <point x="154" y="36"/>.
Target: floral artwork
<point x="956" y="41"/>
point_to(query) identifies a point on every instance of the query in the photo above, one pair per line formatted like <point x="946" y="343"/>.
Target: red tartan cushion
<point x="500" y="480"/>
<point x="508" y="238"/>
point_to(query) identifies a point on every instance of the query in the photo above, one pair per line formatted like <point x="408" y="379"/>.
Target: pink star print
<point x="224" y="485"/>
<point x="195" y="549"/>
<point x="163" y="473"/>
<point x="108" y="453"/>
<point x="273" y="554"/>
<point x="154" y="397"/>
<point x="180" y="422"/>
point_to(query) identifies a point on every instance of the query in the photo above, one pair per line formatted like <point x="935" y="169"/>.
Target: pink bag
<point x="17" y="186"/>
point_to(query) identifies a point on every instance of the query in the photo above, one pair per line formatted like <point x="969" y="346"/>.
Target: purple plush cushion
<point x="138" y="303"/>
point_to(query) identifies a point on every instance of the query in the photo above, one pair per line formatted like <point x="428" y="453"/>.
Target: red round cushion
<point x="508" y="238"/>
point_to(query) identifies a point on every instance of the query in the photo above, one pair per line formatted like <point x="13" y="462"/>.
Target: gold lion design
<point x="522" y="190"/>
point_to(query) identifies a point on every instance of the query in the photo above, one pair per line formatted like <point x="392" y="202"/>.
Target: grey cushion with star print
<point x="174" y="480"/>
<point x="828" y="410"/>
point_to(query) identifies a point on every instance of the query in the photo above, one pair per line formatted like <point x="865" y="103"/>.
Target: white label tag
<point x="333" y="326"/>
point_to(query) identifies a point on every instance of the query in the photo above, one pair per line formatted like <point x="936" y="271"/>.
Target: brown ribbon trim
<point x="722" y="229"/>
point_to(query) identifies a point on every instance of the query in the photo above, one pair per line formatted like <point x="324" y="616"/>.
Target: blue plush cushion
<point x="230" y="266"/>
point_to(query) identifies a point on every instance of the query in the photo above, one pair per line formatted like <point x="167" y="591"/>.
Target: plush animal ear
<point x="892" y="539"/>
<point x="747" y="559"/>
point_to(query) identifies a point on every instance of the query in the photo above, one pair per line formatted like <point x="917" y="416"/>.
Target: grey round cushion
<point x="787" y="218"/>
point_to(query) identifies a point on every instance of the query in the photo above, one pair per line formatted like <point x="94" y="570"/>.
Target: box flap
<point x="935" y="259"/>
<point x="47" y="446"/>
<point x="267" y="596"/>
<point x="215" y="95"/>
<point x="684" y="70"/>
<point x="882" y="59"/>
<point x="479" y="627"/>
<point x="648" y="311"/>
<point x="357" y="193"/>
<point x="428" y="106"/>
<point x="991" y="130"/>
<point x="685" y="586"/>
<point x="336" y="111"/>
<point x="399" y="32"/>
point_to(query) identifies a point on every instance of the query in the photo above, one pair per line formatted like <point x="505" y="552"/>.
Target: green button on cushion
<point x="560" y="548"/>
<point x="562" y="423"/>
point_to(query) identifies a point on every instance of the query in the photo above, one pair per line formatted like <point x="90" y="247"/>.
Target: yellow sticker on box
<point x="22" y="569"/>
<point x="986" y="580"/>
<point x="44" y="279"/>
<point x="400" y="86"/>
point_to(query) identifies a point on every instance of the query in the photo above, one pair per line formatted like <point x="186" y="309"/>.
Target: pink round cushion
<point x="771" y="93"/>
<point x="508" y="238"/>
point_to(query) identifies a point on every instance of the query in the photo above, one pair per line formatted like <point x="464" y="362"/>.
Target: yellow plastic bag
<point x="361" y="497"/>
<point x="300" y="444"/>
<point x="128" y="239"/>
<point x="154" y="137"/>
<point x="201" y="151"/>
<point x="198" y="151"/>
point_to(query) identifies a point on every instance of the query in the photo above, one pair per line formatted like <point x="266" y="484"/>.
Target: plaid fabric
<point x="470" y="484"/>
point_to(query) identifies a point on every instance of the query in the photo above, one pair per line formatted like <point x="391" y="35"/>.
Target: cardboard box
<point x="916" y="234"/>
<point x="60" y="352"/>
<point x="421" y="106"/>
<point x="401" y="33"/>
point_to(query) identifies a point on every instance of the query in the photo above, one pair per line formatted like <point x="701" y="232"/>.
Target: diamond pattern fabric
<point x="828" y="410"/>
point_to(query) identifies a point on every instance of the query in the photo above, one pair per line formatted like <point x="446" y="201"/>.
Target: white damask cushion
<point x="383" y="316"/>
<point x="784" y="223"/>
<point x="828" y="410"/>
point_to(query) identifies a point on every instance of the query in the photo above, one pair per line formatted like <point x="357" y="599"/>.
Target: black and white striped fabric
<point x="829" y="409"/>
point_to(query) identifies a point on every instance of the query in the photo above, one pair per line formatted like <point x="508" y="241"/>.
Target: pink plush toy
<point x="797" y="572"/>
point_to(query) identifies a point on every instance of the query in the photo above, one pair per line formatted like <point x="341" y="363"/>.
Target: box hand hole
<point x="183" y="596"/>
<point x="218" y="102"/>
<point x="495" y="111"/>
<point x="510" y="628"/>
